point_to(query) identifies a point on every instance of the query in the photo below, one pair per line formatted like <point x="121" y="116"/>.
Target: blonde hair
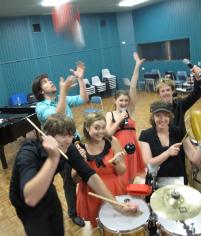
<point x="165" y="81"/>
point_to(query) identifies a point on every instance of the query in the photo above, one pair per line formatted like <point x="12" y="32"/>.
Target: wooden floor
<point x="9" y="223"/>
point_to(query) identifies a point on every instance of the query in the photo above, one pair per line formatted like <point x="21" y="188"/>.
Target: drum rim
<point x="123" y="231"/>
<point x="171" y="233"/>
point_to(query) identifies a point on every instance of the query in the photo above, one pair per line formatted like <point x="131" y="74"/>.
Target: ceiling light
<point x="53" y="3"/>
<point x="131" y="3"/>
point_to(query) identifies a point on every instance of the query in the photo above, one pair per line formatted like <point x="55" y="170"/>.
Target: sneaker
<point x="78" y="221"/>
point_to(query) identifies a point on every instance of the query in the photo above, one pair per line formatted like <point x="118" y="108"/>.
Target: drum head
<point x="115" y="221"/>
<point x="177" y="228"/>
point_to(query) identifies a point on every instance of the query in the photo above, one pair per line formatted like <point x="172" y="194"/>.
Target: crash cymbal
<point x="176" y="202"/>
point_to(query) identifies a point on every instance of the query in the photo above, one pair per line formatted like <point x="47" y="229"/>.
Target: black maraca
<point x="129" y="148"/>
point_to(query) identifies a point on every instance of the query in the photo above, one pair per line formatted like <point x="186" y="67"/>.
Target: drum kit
<point x="174" y="210"/>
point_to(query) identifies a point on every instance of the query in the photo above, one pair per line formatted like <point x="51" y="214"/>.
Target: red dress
<point x="134" y="162"/>
<point x="88" y="206"/>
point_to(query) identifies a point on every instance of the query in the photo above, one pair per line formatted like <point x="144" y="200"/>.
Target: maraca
<point x="129" y="148"/>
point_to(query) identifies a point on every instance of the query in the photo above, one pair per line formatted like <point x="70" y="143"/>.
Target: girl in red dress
<point x="122" y="126"/>
<point x="99" y="149"/>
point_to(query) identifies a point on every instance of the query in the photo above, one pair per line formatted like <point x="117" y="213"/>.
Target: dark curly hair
<point x="36" y="86"/>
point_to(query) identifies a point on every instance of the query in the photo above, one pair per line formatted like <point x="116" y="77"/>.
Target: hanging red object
<point x="66" y="18"/>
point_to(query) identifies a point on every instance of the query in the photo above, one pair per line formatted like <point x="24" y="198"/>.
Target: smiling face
<point x="47" y="86"/>
<point x="122" y="102"/>
<point x="162" y="120"/>
<point x="97" y="130"/>
<point x="166" y="93"/>
<point x="64" y="141"/>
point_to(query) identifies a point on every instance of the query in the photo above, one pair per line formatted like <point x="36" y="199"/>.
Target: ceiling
<point x="9" y="8"/>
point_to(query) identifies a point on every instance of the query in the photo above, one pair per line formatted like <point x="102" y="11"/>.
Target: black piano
<point x="13" y="124"/>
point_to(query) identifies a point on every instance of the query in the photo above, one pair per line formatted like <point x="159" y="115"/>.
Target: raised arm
<point x="188" y="101"/>
<point x="64" y="87"/>
<point x="35" y="189"/>
<point x="133" y="84"/>
<point x="79" y="73"/>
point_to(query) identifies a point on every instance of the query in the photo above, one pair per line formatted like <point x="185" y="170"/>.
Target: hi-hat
<point x="176" y="202"/>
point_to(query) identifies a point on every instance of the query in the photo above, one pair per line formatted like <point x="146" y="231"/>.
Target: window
<point x="165" y="50"/>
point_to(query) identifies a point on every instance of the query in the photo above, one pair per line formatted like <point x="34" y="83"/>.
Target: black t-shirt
<point x="181" y="105"/>
<point x="29" y="160"/>
<point x="173" y="166"/>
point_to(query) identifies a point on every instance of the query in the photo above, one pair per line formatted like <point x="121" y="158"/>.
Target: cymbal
<point x="176" y="202"/>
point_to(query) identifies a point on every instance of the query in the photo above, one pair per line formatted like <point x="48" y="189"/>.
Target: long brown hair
<point x="119" y="93"/>
<point x="89" y="120"/>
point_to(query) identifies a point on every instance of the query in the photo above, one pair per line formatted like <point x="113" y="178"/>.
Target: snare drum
<point x="172" y="228"/>
<point x="112" y="222"/>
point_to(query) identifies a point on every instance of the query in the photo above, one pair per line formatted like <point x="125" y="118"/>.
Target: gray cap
<point x="160" y="106"/>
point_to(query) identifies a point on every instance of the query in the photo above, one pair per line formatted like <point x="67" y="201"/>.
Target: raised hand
<point x="197" y="72"/>
<point x="67" y="83"/>
<point x="80" y="69"/>
<point x="51" y="146"/>
<point x="137" y="59"/>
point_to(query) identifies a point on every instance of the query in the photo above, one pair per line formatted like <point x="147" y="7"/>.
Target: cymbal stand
<point x="152" y="224"/>
<point x="190" y="230"/>
<point x="152" y="180"/>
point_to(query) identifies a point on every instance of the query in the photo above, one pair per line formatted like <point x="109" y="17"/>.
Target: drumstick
<point x="184" y="137"/>
<point x="41" y="132"/>
<point x="112" y="201"/>
<point x="106" y="199"/>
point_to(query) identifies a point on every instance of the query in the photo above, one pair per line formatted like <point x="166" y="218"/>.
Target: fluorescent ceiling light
<point x="53" y="3"/>
<point x="131" y="3"/>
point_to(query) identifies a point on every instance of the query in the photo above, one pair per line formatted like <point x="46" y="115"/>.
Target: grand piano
<point x="13" y="124"/>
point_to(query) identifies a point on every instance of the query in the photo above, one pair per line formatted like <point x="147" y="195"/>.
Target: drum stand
<point x="190" y="230"/>
<point x="152" y="224"/>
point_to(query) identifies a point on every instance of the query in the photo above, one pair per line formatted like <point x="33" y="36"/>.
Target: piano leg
<point x="3" y="158"/>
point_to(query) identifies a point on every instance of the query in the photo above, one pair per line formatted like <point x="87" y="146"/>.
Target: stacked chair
<point x="110" y="79"/>
<point x="100" y="86"/>
<point x="89" y="87"/>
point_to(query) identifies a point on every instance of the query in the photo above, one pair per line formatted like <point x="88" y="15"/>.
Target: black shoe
<point x="78" y="221"/>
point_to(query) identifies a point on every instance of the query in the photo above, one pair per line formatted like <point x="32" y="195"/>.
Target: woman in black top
<point x="32" y="192"/>
<point x="161" y="144"/>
